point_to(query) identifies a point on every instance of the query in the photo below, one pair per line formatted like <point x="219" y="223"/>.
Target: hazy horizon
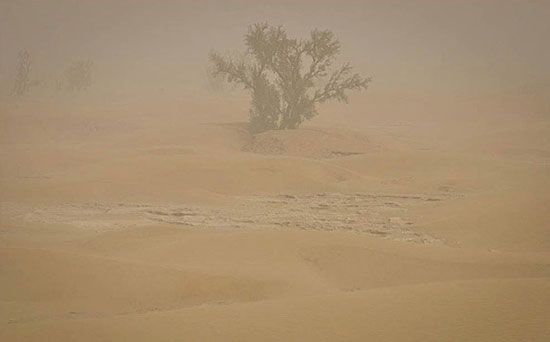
<point x="447" y="48"/>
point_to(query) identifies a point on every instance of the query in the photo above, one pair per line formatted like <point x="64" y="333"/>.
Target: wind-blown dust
<point x="131" y="213"/>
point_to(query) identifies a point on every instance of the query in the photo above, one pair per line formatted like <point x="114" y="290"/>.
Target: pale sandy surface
<point x="147" y="222"/>
<point x="142" y="210"/>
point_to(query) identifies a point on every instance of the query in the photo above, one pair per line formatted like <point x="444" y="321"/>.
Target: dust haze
<point x="138" y="202"/>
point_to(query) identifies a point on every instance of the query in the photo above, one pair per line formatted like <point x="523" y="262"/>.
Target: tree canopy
<point x="286" y="76"/>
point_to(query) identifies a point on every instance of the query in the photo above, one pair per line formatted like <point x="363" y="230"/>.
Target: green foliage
<point x="287" y="76"/>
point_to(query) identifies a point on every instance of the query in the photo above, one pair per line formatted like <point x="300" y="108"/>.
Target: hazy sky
<point x="430" y="46"/>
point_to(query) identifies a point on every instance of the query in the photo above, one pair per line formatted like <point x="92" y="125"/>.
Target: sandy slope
<point x="458" y="311"/>
<point x="140" y="227"/>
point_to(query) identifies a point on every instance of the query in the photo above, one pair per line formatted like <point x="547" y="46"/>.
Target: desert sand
<point x="175" y="230"/>
<point x="403" y="216"/>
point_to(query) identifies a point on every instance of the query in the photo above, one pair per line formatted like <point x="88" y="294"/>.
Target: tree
<point x="22" y="75"/>
<point x="287" y="77"/>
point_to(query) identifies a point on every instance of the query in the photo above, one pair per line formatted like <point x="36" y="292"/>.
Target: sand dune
<point x="190" y="282"/>
<point x="417" y="313"/>
<point x="310" y="143"/>
<point x="175" y="230"/>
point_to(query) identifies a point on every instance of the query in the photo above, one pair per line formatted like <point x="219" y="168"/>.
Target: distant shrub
<point x="22" y="76"/>
<point x="79" y="75"/>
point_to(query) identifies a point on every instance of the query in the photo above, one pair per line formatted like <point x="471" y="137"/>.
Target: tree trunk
<point x="291" y="119"/>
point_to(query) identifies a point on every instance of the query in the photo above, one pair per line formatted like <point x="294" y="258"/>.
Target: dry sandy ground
<point x="146" y="222"/>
